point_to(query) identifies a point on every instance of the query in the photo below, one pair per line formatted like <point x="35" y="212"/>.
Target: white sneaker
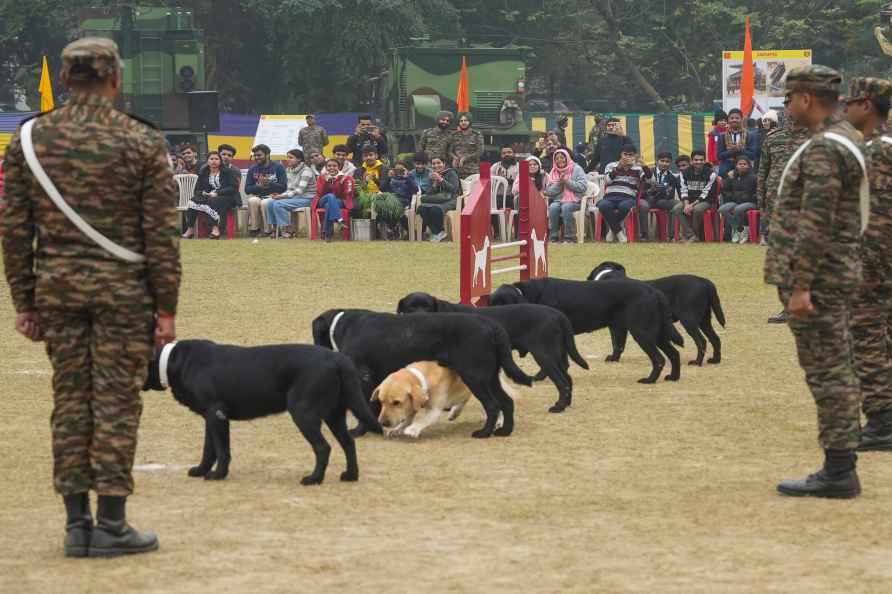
<point x="735" y="237"/>
<point x="744" y="236"/>
<point x="610" y="236"/>
<point x="438" y="237"/>
<point x="622" y="237"/>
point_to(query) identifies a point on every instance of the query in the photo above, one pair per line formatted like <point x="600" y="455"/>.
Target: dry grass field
<point x="652" y="489"/>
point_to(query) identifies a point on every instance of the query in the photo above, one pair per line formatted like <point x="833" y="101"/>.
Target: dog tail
<point x="353" y="398"/>
<point x="570" y="342"/>
<point x="716" y="304"/>
<point x="669" y="329"/>
<point x="506" y="361"/>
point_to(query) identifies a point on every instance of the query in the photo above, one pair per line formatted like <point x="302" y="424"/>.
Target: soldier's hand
<point x="800" y="304"/>
<point x="27" y="325"/>
<point x="165" y="331"/>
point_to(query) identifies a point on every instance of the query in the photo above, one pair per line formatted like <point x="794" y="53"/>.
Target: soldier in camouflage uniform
<point x="778" y="147"/>
<point x="466" y="147"/>
<point x="94" y="311"/>
<point x="312" y="137"/>
<point x="435" y="141"/>
<point x="867" y="107"/>
<point x="814" y="259"/>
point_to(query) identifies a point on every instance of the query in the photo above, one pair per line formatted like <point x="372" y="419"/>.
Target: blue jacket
<point x="404" y="188"/>
<point x="727" y="157"/>
<point x="423" y="181"/>
<point x="278" y="183"/>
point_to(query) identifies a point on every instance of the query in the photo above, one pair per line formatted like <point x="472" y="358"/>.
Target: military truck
<point x="422" y="80"/>
<point x="163" y="57"/>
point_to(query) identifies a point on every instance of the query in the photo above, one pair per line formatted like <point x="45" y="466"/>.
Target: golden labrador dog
<point x="414" y="397"/>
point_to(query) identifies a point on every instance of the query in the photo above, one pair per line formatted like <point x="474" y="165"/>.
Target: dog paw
<point x="713" y="361"/>
<point x="611" y="359"/>
<point x="647" y="380"/>
<point x="557" y="408"/>
<point x="215" y="475"/>
<point x="481" y="434"/>
<point x="695" y="362"/>
<point x="357" y="432"/>
<point x="198" y="471"/>
<point x="412" y="432"/>
<point x="311" y="480"/>
<point x="502" y="432"/>
<point x="349" y="477"/>
<point x="672" y="377"/>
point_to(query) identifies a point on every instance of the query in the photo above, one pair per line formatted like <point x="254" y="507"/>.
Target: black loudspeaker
<point x="175" y="112"/>
<point x="204" y="111"/>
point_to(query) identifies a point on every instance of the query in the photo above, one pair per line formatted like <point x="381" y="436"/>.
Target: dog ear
<point x="400" y="307"/>
<point x="419" y="398"/>
<point x="320" y="332"/>
<point x="375" y="394"/>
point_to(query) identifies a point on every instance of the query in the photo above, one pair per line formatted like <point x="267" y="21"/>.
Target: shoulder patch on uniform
<point x="143" y="121"/>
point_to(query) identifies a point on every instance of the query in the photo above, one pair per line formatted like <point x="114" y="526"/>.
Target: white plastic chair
<point x="500" y="186"/>
<point x="186" y="186"/>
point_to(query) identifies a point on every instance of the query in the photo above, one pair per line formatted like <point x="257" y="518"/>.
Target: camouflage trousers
<point x="100" y="361"/>
<point x="871" y="315"/>
<point x="824" y="346"/>
<point x="468" y="168"/>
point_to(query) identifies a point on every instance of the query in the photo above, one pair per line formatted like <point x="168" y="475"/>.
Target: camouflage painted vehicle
<point x="420" y="81"/>
<point x="163" y="58"/>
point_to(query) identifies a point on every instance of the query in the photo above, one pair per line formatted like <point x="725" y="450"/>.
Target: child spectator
<point x="401" y="185"/>
<point x="371" y="170"/>
<point x="738" y="198"/>
<point x="421" y="173"/>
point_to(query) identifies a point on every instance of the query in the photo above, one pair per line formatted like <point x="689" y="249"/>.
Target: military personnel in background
<point x="814" y="260"/>
<point x="312" y="137"/>
<point x="95" y="311"/>
<point x="777" y="148"/>
<point x="867" y="107"/>
<point x="435" y="141"/>
<point x="466" y="147"/>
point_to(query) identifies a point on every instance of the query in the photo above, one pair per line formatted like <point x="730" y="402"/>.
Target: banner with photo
<point x="771" y="68"/>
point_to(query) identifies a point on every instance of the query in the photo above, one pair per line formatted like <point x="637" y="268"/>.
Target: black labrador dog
<point x="620" y="305"/>
<point x="542" y="331"/>
<point x="225" y="383"/>
<point x="476" y="348"/>
<point x="693" y="300"/>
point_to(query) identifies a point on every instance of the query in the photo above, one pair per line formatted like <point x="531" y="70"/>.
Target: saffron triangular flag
<point x="462" y="101"/>
<point x="45" y="88"/>
<point x="747" y="75"/>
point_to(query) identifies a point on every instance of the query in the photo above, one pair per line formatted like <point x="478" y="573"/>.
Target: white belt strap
<point x="424" y="385"/>
<point x="51" y="191"/>
<point x="162" y="363"/>
<point x="331" y="330"/>
<point x="865" y="181"/>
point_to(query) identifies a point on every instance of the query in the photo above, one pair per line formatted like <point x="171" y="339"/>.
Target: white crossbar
<point x="502" y="246"/>
<point x="506" y="270"/>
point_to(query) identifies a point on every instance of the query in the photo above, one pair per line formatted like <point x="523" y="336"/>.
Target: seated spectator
<point x="536" y="176"/>
<point x="442" y="197"/>
<point x="564" y="187"/>
<point x="370" y="170"/>
<point x="506" y="167"/>
<point x="736" y="141"/>
<point x="579" y="155"/>
<point x="421" y="173"/>
<point x="404" y="188"/>
<point x="366" y="133"/>
<point x="738" y="198"/>
<point x="547" y="157"/>
<point x="624" y="179"/>
<point x="702" y="189"/>
<point x="316" y="161"/>
<point x="299" y="194"/>
<point x="340" y="153"/>
<point x="334" y="191"/>
<point x="719" y="127"/>
<point x="666" y="189"/>
<point x="264" y="179"/>
<point x="227" y="154"/>
<point x="610" y="145"/>
<point x="189" y="163"/>
<point x="682" y="163"/>
<point x="215" y="193"/>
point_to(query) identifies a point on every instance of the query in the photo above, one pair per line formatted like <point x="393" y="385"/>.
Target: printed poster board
<point x="771" y="68"/>
<point x="279" y="133"/>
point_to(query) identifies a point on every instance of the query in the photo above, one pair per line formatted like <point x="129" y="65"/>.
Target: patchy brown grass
<point x="656" y="489"/>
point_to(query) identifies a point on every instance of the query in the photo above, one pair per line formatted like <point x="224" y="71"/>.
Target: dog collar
<point x="414" y="371"/>
<point x="516" y="288"/>
<point x="162" y="363"/>
<point x="331" y="330"/>
<point x="602" y="273"/>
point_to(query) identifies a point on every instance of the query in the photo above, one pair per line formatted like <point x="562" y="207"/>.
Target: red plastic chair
<point x="319" y="218"/>
<point x="754" y="217"/>
<point x="631" y="221"/>
<point x="662" y="221"/>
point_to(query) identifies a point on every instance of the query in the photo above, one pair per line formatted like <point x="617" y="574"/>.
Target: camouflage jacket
<point x="777" y="148"/>
<point x="435" y="143"/>
<point x="315" y="138"/>
<point x="877" y="242"/>
<point x="113" y="171"/>
<point x="815" y="234"/>
<point x="468" y="146"/>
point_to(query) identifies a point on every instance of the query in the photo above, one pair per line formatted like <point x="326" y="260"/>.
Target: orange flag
<point x="748" y="76"/>
<point x="461" y="98"/>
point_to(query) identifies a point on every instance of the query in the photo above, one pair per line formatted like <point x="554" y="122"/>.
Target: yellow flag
<point x="46" y="88"/>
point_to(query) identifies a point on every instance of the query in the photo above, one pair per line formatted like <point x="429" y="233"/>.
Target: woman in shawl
<point x="564" y="187"/>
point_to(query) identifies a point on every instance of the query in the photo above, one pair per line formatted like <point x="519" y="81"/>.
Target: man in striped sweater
<point x="624" y="178"/>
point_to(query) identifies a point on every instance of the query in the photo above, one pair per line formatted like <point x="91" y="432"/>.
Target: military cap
<point x="91" y="58"/>
<point x="813" y="78"/>
<point x="444" y="114"/>
<point x="871" y="89"/>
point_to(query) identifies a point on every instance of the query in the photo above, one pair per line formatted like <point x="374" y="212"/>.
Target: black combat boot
<point x="112" y="535"/>
<point x="79" y="524"/>
<point x="876" y="436"/>
<point x="837" y="480"/>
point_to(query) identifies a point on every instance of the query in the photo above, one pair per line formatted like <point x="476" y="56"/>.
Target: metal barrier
<point x="476" y="259"/>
